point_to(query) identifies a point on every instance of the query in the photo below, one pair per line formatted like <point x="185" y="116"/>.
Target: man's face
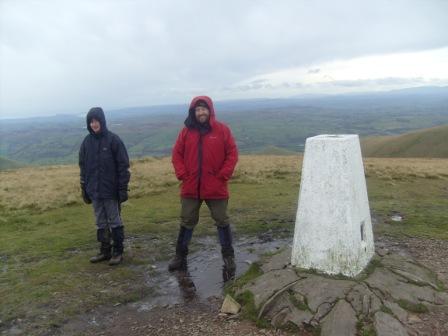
<point x="202" y="114"/>
<point x="95" y="125"/>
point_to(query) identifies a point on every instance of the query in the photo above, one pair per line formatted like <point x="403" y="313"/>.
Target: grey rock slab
<point x="386" y="325"/>
<point x="318" y="290"/>
<point x="382" y="251"/>
<point x="282" y="310"/>
<point x="410" y="270"/>
<point x="356" y="297"/>
<point x="322" y="311"/>
<point x="375" y="304"/>
<point x="441" y="298"/>
<point x="341" y="321"/>
<point x="299" y="317"/>
<point x="278" y="261"/>
<point x="398" y="312"/>
<point x="279" y="319"/>
<point x="269" y="283"/>
<point x="275" y="306"/>
<point x="396" y="286"/>
<point x="363" y="300"/>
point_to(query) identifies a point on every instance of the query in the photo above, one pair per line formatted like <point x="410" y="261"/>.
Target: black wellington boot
<point x="228" y="254"/>
<point x="117" y="250"/>
<point x="180" y="259"/>
<point x="103" y="236"/>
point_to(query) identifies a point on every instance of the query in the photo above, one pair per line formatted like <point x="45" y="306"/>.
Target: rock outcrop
<point x="383" y="298"/>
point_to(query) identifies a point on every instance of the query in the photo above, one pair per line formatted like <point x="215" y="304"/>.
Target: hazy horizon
<point x="82" y="114"/>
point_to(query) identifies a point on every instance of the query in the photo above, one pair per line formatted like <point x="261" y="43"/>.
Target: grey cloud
<point x="314" y="71"/>
<point x="358" y="83"/>
<point x="371" y="82"/>
<point x="69" y="55"/>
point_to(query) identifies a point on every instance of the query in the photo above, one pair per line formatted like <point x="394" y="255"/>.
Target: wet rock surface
<point x="386" y="325"/>
<point x="341" y="321"/>
<point x="391" y="297"/>
<point x="319" y="290"/>
<point x="270" y="283"/>
<point x="279" y="261"/>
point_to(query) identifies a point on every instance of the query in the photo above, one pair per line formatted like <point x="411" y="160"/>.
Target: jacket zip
<point x="99" y="166"/>
<point x="200" y="164"/>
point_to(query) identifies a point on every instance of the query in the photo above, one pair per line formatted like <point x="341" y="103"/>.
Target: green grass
<point x="370" y="268"/>
<point x="9" y="164"/>
<point x="252" y="273"/>
<point x="248" y="310"/>
<point x="430" y="143"/>
<point x="386" y="310"/>
<point x="422" y="202"/>
<point x="412" y="307"/>
<point x="297" y="303"/>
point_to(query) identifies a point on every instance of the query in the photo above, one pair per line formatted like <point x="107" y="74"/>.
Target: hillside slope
<point x="428" y="143"/>
<point x="8" y="164"/>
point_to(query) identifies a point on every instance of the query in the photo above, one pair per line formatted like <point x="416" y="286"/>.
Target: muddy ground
<point x="189" y="303"/>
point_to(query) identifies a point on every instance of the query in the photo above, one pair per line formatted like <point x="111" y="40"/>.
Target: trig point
<point x="333" y="232"/>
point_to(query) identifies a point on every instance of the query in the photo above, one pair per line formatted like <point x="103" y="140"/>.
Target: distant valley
<point x="270" y="126"/>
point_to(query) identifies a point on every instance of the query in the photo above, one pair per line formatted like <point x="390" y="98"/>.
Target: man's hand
<point x="85" y="197"/>
<point x="122" y="195"/>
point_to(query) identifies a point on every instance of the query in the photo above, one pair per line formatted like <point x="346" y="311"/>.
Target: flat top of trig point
<point x="334" y="137"/>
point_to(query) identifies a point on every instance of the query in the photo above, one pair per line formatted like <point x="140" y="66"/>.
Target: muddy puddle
<point x="202" y="281"/>
<point x="204" y="277"/>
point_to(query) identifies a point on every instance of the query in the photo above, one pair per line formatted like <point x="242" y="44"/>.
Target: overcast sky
<point x="66" y="56"/>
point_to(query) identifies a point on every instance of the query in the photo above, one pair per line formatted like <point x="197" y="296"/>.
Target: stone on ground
<point x="278" y="261"/>
<point x="230" y="306"/>
<point x="398" y="287"/>
<point x="269" y="283"/>
<point x="386" y="325"/>
<point x="318" y="290"/>
<point x="341" y="321"/>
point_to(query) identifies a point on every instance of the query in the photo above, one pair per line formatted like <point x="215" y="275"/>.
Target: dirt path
<point x="194" y="318"/>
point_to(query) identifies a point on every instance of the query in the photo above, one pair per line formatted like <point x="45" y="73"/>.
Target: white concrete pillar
<point x="333" y="232"/>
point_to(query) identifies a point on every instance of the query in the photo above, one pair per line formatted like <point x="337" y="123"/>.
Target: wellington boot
<point x="99" y="257"/>
<point x="116" y="260"/>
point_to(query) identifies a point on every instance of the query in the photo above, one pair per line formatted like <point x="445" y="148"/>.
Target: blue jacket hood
<point x="98" y="114"/>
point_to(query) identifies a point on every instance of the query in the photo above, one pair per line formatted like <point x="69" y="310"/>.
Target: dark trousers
<point x="189" y="216"/>
<point x="107" y="213"/>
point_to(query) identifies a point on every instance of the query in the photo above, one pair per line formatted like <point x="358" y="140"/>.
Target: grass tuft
<point x="412" y="307"/>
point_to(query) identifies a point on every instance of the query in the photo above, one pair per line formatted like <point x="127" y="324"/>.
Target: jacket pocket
<point x="189" y="185"/>
<point x="214" y="186"/>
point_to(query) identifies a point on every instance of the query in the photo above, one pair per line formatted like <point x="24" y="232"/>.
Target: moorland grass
<point x="47" y="234"/>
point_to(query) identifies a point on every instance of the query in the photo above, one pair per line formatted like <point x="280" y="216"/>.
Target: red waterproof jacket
<point x="204" y="162"/>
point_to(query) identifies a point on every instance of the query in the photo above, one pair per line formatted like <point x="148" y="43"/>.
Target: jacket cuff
<point x="222" y="176"/>
<point x="181" y="176"/>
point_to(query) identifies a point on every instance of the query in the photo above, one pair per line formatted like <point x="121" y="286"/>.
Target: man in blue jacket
<point x="104" y="176"/>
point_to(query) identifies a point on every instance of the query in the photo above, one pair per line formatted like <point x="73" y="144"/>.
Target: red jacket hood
<point x="209" y="102"/>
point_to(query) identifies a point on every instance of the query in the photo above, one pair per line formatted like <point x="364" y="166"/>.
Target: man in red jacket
<point x="204" y="157"/>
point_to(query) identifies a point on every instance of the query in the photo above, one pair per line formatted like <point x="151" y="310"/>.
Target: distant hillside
<point x="428" y="143"/>
<point x="273" y="150"/>
<point x="8" y="164"/>
<point x="269" y="126"/>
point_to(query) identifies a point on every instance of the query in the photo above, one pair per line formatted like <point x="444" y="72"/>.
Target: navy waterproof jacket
<point x="103" y="161"/>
